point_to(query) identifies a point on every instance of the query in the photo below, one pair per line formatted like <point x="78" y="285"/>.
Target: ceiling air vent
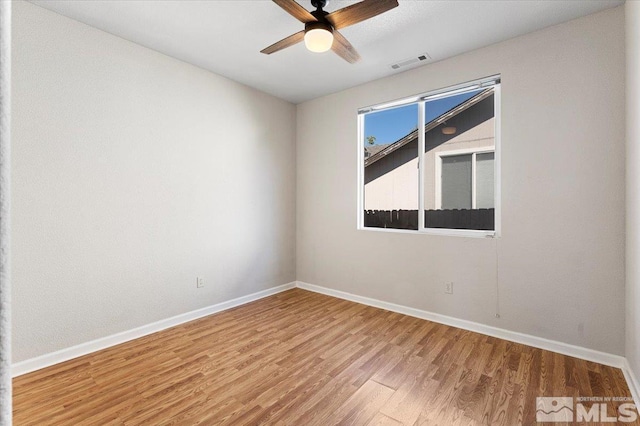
<point x="411" y="61"/>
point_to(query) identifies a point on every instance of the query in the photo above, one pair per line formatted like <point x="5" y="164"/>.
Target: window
<point x="391" y="185"/>
<point x="441" y="179"/>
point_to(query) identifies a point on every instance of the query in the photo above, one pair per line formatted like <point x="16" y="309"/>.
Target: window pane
<point x="447" y="121"/>
<point x="456" y="182"/>
<point x="484" y="181"/>
<point x="457" y="127"/>
<point x="390" y="149"/>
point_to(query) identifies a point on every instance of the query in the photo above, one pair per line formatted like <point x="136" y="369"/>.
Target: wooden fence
<point x="482" y="219"/>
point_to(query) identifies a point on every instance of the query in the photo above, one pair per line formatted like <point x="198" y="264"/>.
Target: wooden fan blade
<point x="343" y="48"/>
<point x="284" y="43"/>
<point x="359" y="12"/>
<point x="295" y="10"/>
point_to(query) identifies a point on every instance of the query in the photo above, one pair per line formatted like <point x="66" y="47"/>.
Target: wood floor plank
<point x="381" y="420"/>
<point x="407" y="401"/>
<point x="301" y="358"/>
<point x="363" y="405"/>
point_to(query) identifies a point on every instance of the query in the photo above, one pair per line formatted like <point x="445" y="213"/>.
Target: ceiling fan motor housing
<point x="318" y="25"/>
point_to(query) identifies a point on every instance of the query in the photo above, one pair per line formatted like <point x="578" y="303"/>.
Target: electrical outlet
<point x="448" y="288"/>
<point x="199" y="282"/>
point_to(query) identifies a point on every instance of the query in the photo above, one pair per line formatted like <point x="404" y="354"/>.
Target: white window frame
<point x="493" y="81"/>
<point x="453" y="153"/>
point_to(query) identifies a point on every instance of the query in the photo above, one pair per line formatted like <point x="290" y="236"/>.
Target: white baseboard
<point x="513" y="336"/>
<point x="62" y="355"/>
<point x="66" y="354"/>
<point x="632" y="382"/>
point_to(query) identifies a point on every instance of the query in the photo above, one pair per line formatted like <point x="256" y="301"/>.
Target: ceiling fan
<point x="321" y="28"/>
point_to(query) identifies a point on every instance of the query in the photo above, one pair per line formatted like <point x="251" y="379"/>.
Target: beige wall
<point x="134" y="173"/>
<point x="632" y="12"/>
<point x="559" y="263"/>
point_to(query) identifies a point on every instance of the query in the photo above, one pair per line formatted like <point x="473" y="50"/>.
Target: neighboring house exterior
<point x="370" y="150"/>
<point x="458" y="167"/>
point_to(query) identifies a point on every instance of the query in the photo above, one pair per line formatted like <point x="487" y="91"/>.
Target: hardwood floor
<point x="300" y="358"/>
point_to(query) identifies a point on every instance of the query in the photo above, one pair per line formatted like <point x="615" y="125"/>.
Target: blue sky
<point x="390" y="125"/>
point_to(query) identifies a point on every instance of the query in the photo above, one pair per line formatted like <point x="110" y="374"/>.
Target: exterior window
<point x="444" y="179"/>
<point x="457" y="182"/>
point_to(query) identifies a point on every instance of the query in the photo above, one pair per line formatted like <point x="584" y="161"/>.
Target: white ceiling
<point x="226" y="36"/>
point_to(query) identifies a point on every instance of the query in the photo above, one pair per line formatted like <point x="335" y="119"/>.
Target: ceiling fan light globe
<point x="318" y="40"/>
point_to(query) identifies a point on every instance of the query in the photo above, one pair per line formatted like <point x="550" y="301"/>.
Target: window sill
<point x="468" y="233"/>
